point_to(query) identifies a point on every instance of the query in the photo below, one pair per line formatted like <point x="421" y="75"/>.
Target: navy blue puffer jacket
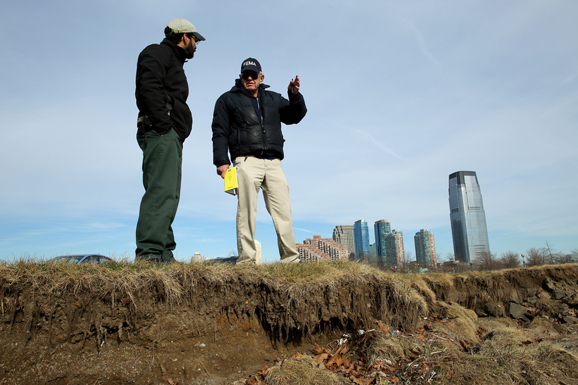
<point x="238" y="130"/>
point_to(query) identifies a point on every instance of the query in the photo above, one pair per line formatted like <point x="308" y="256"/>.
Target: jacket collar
<point x="238" y="87"/>
<point x="179" y="52"/>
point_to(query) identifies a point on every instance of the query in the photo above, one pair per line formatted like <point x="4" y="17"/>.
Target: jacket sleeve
<point x="221" y="130"/>
<point x="151" y="95"/>
<point x="294" y="110"/>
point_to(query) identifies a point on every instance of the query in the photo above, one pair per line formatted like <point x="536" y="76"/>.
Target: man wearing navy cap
<point x="164" y="122"/>
<point x="247" y="124"/>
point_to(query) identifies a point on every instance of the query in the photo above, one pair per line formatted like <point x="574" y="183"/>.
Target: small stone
<point x="558" y="295"/>
<point x="490" y="308"/>
<point x="572" y="300"/>
<point x="569" y="319"/>
<point x="517" y="311"/>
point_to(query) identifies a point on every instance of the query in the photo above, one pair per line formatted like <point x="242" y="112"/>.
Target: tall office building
<point x="469" y="230"/>
<point x="344" y="235"/>
<point x="381" y="229"/>
<point x="361" y="237"/>
<point x="425" y="248"/>
<point x="394" y="252"/>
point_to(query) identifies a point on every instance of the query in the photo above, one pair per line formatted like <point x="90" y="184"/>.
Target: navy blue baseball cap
<point x="251" y="64"/>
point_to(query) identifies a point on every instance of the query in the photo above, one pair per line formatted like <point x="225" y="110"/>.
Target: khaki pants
<point x="252" y="175"/>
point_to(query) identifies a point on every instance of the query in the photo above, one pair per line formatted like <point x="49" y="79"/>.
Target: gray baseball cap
<point x="182" y="26"/>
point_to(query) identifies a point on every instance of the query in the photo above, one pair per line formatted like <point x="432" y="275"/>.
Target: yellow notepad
<point x="231" y="181"/>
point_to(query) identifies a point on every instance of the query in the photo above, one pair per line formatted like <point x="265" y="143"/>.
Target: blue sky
<point x="400" y="95"/>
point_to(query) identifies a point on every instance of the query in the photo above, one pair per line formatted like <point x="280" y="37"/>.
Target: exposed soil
<point x="218" y="325"/>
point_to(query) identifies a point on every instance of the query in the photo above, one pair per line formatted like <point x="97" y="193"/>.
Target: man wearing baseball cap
<point x="247" y="124"/>
<point x="164" y="122"/>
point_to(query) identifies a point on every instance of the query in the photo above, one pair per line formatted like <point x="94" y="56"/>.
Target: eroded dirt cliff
<point x="191" y="323"/>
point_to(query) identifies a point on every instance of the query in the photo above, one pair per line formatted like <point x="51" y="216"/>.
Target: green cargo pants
<point x="162" y="163"/>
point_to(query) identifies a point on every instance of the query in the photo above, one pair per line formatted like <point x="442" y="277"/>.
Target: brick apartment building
<point x="321" y="249"/>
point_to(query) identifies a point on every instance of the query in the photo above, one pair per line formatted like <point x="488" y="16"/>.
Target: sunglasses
<point x="252" y="75"/>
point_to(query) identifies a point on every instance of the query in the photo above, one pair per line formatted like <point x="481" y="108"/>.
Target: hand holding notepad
<point x="231" y="181"/>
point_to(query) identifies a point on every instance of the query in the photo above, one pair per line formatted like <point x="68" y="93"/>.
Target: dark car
<point x="82" y="258"/>
<point x="230" y="260"/>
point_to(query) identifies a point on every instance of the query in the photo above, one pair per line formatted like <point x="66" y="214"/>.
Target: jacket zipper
<point x="261" y="120"/>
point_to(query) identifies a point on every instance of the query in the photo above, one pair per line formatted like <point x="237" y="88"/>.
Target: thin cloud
<point x="423" y="47"/>
<point x="371" y="138"/>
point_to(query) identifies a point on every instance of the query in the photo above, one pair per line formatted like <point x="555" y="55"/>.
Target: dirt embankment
<point x="194" y="324"/>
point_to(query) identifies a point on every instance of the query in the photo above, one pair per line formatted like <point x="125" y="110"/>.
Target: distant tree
<point x="535" y="257"/>
<point x="574" y="255"/>
<point x="551" y="256"/>
<point x="560" y="257"/>
<point x="510" y="260"/>
<point x="549" y="253"/>
<point x="368" y="258"/>
<point x="407" y="257"/>
<point x="486" y="261"/>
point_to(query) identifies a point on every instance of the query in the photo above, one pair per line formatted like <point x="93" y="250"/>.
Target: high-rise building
<point x="381" y="229"/>
<point x="344" y="235"/>
<point x="394" y="251"/>
<point x="425" y="248"/>
<point x="361" y="236"/>
<point x="467" y="215"/>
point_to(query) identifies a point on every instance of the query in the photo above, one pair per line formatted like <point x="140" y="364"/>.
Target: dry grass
<point x="301" y="371"/>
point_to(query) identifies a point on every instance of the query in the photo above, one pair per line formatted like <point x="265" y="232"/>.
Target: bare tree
<point x="560" y="257"/>
<point x="535" y="257"/>
<point x="438" y="259"/>
<point x="574" y="255"/>
<point x="549" y="253"/>
<point x="510" y="260"/>
<point x="486" y="261"/>
<point x="552" y="256"/>
<point x="407" y="257"/>
<point x="369" y="259"/>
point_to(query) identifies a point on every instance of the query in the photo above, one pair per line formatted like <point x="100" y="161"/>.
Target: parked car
<point x="82" y="258"/>
<point x="230" y="260"/>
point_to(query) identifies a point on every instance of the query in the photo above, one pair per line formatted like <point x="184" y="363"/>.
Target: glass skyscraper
<point x="381" y="229"/>
<point x="361" y="236"/>
<point x="467" y="215"/>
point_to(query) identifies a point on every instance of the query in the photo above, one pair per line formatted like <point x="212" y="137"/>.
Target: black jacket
<point x="161" y="85"/>
<point x="237" y="127"/>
